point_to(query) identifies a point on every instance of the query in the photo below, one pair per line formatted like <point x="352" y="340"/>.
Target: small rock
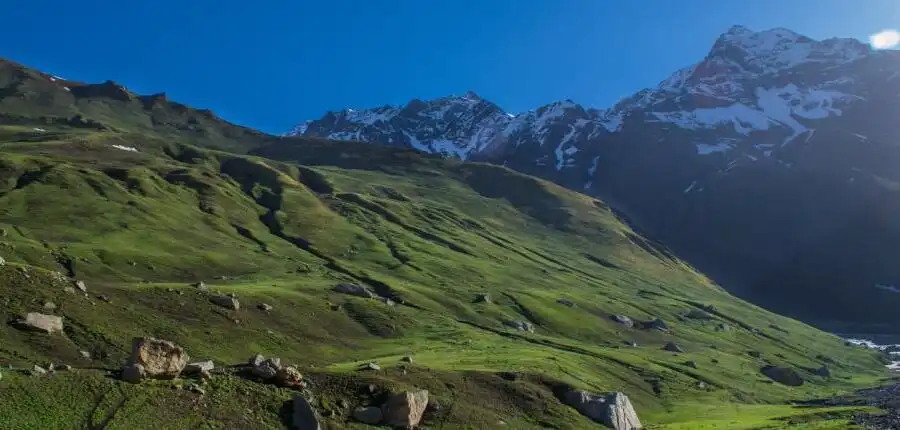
<point x="201" y="286"/>
<point x="39" y="322"/>
<point x="405" y="410"/>
<point x="343" y="404"/>
<point x="303" y="417"/>
<point x="63" y="368"/>
<point x="483" y="298"/>
<point x="354" y="290"/>
<point x="691" y="363"/>
<point x="701" y="385"/>
<point x="205" y="375"/>
<point x="199" y="366"/>
<point x="289" y="376"/>
<point x="723" y="327"/>
<point x="612" y="409"/>
<point x="38" y="370"/>
<point x="370" y="366"/>
<point x="256" y="360"/>
<point x="407" y="359"/>
<point x="2" y="261"/>
<point x="783" y="375"/>
<point x="195" y="388"/>
<point x="133" y="373"/>
<point x="566" y="302"/>
<point x="226" y="302"/>
<point x="85" y="354"/>
<point x="267" y="369"/>
<point x="49" y="306"/>
<point x="823" y="372"/>
<point x="673" y="347"/>
<point x="81" y="286"/>
<point x="70" y="290"/>
<point x="755" y="354"/>
<point x="624" y="320"/>
<point x="631" y="343"/>
<point x="697" y="314"/>
<point x="657" y="324"/>
<point x="521" y="325"/>
<point x="103" y="298"/>
<point x="158" y="358"/>
<point x="370" y="415"/>
<point x="264" y="307"/>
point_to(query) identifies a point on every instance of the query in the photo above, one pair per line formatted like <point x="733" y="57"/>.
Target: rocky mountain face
<point x="770" y="165"/>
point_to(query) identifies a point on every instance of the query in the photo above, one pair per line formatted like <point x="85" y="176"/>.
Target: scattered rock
<point x="199" y="367"/>
<point x="265" y="307"/>
<point x="656" y="324"/>
<point x="823" y="372"/>
<point x="354" y="290"/>
<point x="256" y="360"/>
<point x="227" y="302"/>
<point x="483" y="298"/>
<point x="714" y="361"/>
<point x="63" y="368"/>
<point x="566" y="302"/>
<point x="159" y="358"/>
<point x="81" y="286"/>
<point x="783" y="375"/>
<point x="521" y="325"/>
<point x="691" y="363"/>
<point x="673" y="347"/>
<point x="49" y="306"/>
<point x="624" y="320"/>
<point x="2" y="261"/>
<point x="755" y="354"/>
<point x="201" y="286"/>
<point x="38" y="370"/>
<point x="370" y="415"/>
<point x="723" y="327"/>
<point x="303" y="417"/>
<point x="343" y="404"/>
<point x="133" y="373"/>
<point x="405" y="410"/>
<point x="289" y="376"/>
<point x="103" y="298"/>
<point x="69" y="290"/>
<point x="612" y="409"/>
<point x="697" y="314"/>
<point x="407" y="359"/>
<point x="40" y="322"/>
<point x="701" y="385"/>
<point x="194" y="388"/>
<point x="85" y="354"/>
<point x="370" y="366"/>
<point x="267" y="369"/>
<point x="631" y="343"/>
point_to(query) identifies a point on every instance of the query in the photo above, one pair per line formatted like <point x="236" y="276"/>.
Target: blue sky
<point x="272" y="63"/>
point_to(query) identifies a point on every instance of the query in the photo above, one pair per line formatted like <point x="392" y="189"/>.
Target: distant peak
<point x="738" y="30"/>
<point x="471" y="95"/>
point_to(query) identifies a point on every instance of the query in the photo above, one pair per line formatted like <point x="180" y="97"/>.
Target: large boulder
<point x="673" y="347"/>
<point x="200" y="367"/>
<point x="267" y="368"/>
<point x="304" y="418"/>
<point x="354" y="290"/>
<point x="783" y="375"/>
<point x="227" y="302"/>
<point x="289" y="376"/>
<point x="611" y="409"/>
<point x="159" y="358"/>
<point x="40" y="322"/>
<point x="521" y="325"/>
<point x="405" y="410"/>
<point x="624" y="320"/>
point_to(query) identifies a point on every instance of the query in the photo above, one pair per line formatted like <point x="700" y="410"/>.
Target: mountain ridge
<point x="771" y="116"/>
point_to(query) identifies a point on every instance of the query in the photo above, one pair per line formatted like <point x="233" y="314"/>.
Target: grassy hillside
<point x="432" y="235"/>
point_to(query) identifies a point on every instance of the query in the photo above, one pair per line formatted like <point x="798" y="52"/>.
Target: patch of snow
<point x="560" y="153"/>
<point x="448" y="147"/>
<point x="593" y="169"/>
<point x="67" y="89"/>
<point x="690" y="187"/>
<point x="125" y="148"/>
<point x="706" y="149"/>
<point x="414" y="142"/>
<point x="861" y="137"/>
<point x="588" y="184"/>
<point x="743" y="118"/>
<point x="613" y="123"/>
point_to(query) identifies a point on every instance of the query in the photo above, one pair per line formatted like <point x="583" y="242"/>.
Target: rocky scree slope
<point x="372" y="271"/>
<point x="769" y="164"/>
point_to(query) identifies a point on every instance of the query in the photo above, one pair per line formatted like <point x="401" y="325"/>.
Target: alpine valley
<point x="161" y="267"/>
<point x="770" y="164"/>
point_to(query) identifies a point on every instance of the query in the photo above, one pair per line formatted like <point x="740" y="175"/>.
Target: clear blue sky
<point x="272" y="63"/>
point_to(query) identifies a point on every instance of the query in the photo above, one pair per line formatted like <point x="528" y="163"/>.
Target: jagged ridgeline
<point x="393" y="287"/>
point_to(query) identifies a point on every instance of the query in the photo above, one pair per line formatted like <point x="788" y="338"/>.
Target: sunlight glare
<point x="885" y="39"/>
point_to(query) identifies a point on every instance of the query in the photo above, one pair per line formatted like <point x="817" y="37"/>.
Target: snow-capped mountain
<point x="771" y="161"/>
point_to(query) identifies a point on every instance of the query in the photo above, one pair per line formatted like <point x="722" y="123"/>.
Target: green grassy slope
<point x="141" y="226"/>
